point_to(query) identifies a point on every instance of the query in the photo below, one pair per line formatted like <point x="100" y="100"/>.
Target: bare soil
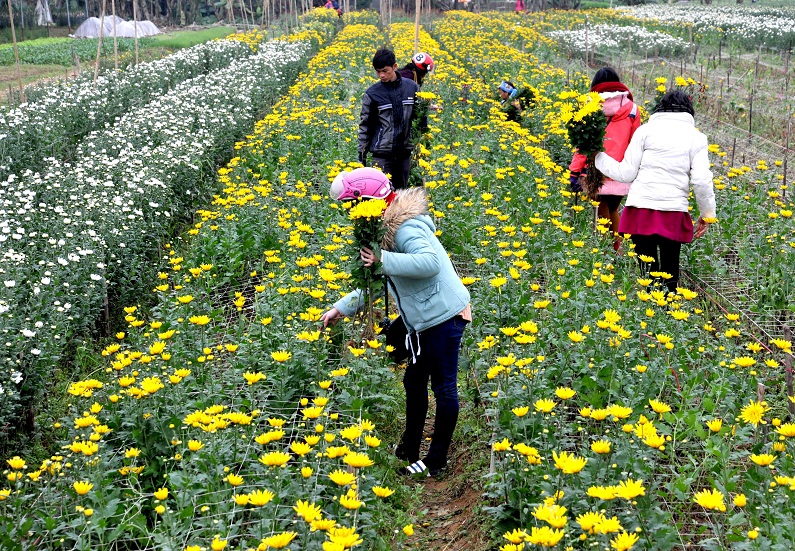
<point x="451" y="518"/>
<point x="30" y="74"/>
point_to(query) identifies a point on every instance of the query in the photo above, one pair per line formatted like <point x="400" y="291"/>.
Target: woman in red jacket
<point x="623" y="118"/>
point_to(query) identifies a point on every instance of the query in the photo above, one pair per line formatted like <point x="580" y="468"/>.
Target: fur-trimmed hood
<point x="408" y="203"/>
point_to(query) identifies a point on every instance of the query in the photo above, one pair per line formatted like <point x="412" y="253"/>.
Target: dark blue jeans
<point x="437" y="361"/>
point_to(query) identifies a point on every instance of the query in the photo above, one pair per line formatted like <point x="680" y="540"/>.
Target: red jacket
<point x="622" y="124"/>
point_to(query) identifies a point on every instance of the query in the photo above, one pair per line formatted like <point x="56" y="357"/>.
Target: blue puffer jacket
<point x="423" y="280"/>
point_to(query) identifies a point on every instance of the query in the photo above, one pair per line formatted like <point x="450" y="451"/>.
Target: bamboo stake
<point x="788" y="368"/>
<point x="750" y="114"/>
<point x="734" y="148"/>
<point x="115" y="40"/>
<point x="417" y="26"/>
<point x="22" y="20"/>
<point x="135" y="22"/>
<point x="243" y="11"/>
<point x="16" y="54"/>
<point x="99" y="42"/>
<point x="251" y="9"/>
<point x="586" y="40"/>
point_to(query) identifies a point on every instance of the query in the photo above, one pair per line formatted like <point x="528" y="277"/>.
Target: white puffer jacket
<point x="663" y="157"/>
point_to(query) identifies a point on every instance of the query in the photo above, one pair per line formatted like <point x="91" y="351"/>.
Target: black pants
<point x="397" y="168"/>
<point x="667" y="260"/>
<point x="437" y="360"/>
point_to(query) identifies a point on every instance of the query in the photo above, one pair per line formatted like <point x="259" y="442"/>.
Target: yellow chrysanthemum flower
<point x="601" y="446"/>
<point x="624" y="541"/>
<point x="710" y="499"/>
<point x="342" y="478"/>
<point x="358" y="460"/>
<point x="569" y="463"/>
<point x="279" y="541"/>
<point x="281" y="356"/>
<point x="82" y="488"/>
<point x="275" y="459"/>
<point x="383" y="491"/>
<point x="307" y="511"/>
<point x="544" y="405"/>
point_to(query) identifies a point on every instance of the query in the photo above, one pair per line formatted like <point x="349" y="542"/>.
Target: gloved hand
<point x="363" y="158"/>
<point x="574" y="182"/>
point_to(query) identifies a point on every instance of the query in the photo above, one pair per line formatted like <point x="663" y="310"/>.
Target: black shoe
<point x="400" y="453"/>
<point x="437" y="471"/>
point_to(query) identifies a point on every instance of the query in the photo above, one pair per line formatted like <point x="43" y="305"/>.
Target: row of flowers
<point x="625" y="38"/>
<point x="57" y="115"/>
<point x="745" y="24"/>
<point x="226" y="417"/>
<point x="79" y="232"/>
<point x="597" y="382"/>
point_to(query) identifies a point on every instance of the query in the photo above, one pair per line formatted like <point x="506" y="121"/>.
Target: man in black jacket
<point x="386" y="118"/>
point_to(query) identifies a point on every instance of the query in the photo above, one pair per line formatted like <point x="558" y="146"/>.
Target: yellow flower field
<point x="616" y="415"/>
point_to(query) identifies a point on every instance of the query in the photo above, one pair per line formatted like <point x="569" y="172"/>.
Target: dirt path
<point x="451" y="518"/>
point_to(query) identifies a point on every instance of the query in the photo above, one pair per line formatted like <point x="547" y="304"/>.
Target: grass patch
<point x="186" y="39"/>
<point x="594" y="4"/>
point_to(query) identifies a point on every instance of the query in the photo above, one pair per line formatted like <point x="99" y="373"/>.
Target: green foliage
<point x="65" y="51"/>
<point x="36" y="42"/>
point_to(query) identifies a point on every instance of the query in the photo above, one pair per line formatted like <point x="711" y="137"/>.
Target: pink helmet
<point x="361" y="183"/>
<point x="423" y="61"/>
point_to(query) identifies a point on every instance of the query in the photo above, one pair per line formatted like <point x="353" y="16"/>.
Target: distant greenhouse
<point x="90" y="28"/>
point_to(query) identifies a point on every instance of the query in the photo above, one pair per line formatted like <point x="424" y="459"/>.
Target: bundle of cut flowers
<point x="368" y="230"/>
<point x="586" y="128"/>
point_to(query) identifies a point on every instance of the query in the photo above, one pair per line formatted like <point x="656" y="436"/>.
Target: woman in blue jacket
<point x="434" y="305"/>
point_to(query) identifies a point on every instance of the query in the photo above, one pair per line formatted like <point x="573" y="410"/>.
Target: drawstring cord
<point x="410" y="346"/>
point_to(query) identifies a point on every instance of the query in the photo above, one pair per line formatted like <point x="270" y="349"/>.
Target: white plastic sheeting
<point x="90" y="28"/>
<point x="127" y="29"/>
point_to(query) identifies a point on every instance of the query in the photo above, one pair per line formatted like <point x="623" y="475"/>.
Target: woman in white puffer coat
<point x="663" y="158"/>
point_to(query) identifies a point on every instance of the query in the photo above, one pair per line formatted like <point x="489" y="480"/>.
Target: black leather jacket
<point x="387" y="114"/>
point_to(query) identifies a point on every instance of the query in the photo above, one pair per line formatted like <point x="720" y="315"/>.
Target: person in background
<point x="623" y="119"/>
<point x="433" y="304"/>
<point x="420" y="65"/>
<point x="386" y="118"/>
<point x="519" y="7"/>
<point x="509" y="103"/>
<point x="664" y="157"/>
